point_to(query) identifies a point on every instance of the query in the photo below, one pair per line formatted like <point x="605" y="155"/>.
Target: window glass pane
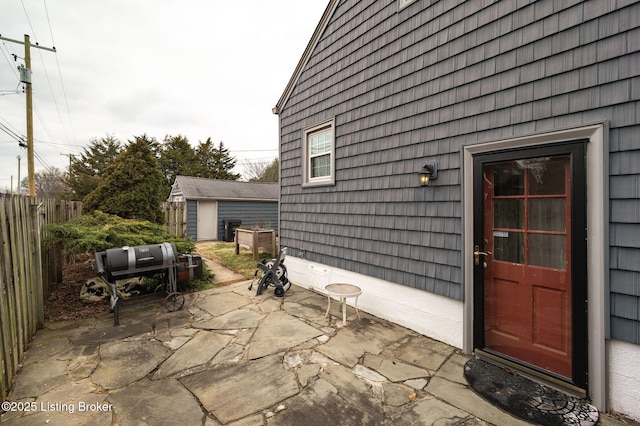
<point x="546" y="176"/>
<point x="320" y="142"/>
<point x="547" y="214"/>
<point x="508" y="213"/>
<point x="508" y="179"/>
<point x="321" y="166"/>
<point x="508" y="246"/>
<point x="547" y="250"/>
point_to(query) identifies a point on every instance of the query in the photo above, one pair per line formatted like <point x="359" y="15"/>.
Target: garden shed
<point x="216" y="207"/>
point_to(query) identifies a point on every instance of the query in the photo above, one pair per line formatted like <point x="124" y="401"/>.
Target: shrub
<point x="98" y="231"/>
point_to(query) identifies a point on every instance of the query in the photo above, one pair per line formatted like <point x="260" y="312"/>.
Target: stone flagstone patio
<point x="230" y="357"/>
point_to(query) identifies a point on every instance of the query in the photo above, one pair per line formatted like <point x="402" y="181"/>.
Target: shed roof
<point x="201" y="188"/>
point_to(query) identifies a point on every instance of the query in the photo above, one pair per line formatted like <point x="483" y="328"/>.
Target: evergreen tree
<point x="177" y="157"/>
<point x="86" y="172"/>
<point x="154" y="145"/>
<point x="133" y="187"/>
<point x="217" y="163"/>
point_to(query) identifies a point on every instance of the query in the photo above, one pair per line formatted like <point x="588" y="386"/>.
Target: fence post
<point x="36" y="282"/>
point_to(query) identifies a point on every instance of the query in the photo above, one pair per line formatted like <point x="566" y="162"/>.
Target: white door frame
<point x="597" y="164"/>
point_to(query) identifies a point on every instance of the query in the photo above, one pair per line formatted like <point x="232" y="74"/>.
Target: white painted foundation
<point x="434" y="316"/>
<point x="624" y="378"/>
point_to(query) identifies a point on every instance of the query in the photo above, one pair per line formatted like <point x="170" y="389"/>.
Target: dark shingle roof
<point x="198" y="188"/>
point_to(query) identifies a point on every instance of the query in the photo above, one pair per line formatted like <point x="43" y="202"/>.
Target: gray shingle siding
<point x="624" y="229"/>
<point x="251" y="213"/>
<point x="416" y="84"/>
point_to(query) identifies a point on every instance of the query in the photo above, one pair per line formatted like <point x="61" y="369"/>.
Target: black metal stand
<point x="273" y="273"/>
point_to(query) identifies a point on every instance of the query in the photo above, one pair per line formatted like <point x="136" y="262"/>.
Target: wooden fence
<point x="175" y="218"/>
<point x="28" y="269"/>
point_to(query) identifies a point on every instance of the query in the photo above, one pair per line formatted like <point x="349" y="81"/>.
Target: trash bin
<point x="230" y="227"/>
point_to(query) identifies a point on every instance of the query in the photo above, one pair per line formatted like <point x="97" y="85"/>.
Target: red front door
<point x="527" y="275"/>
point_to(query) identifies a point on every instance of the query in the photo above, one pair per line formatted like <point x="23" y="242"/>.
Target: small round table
<point x="343" y="291"/>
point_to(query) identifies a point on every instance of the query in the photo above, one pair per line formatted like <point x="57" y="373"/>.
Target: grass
<point x="224" y="254"/>
<point x="205" y="282"/>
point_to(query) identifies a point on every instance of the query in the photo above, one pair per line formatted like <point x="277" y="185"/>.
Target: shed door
<point x="207" y="220"/>
<point x="525" y="261"/>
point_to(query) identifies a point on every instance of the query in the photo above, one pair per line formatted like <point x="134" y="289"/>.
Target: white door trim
<point x="597" y="164"/>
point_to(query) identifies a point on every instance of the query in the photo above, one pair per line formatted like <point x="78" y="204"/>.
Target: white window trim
<point x="307" y="180"/>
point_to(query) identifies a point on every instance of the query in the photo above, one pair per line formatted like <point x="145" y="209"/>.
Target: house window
<point x="319" y="155"/>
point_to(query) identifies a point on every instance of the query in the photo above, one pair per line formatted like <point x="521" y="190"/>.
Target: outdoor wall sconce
<point x="428" y="173"/>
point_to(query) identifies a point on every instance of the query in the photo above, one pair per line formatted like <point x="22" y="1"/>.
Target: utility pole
<point x="25" y="77"/>
<point x="30" y="152"/>
<point x="71" y="156"/>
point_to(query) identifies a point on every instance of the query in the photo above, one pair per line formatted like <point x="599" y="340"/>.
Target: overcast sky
<point x="206" y="68"/>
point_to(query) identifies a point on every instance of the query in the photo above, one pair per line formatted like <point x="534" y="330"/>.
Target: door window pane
<point x="508" y="180"/>
<point x="547" y="250"/>
<point x="546" y="176"/>
<point x="508" y="213"/>
<point x="547" y="214"/>
<point x="508" y="246"/>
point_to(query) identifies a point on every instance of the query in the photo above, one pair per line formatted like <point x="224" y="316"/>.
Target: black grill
<point x="144" y="261"/>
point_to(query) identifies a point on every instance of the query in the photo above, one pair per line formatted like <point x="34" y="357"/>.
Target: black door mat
<point x="525" y="398"/>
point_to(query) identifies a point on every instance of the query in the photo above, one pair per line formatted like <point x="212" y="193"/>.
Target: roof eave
<point x="328" y="12"/>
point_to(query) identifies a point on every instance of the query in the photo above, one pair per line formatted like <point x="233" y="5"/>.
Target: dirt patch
<point x="64" y="302"/>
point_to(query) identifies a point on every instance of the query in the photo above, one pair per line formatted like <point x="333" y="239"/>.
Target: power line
<point x="53" y="96"/>
<point x="64" y="91"/>
<point x="68" y="147"/>
<point x="46" y="72"/>
<point x="42" y="161"/>
<point x="9" y="92"/>
<point x="42" y="123"/>
<point x="9" y="124"/>
<point x="26" y="78"/>
<point x="29" y="21"/>
<point x="20" y="138"/>
<point x="11" y="65"/>
<point x="46" y="11"/>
